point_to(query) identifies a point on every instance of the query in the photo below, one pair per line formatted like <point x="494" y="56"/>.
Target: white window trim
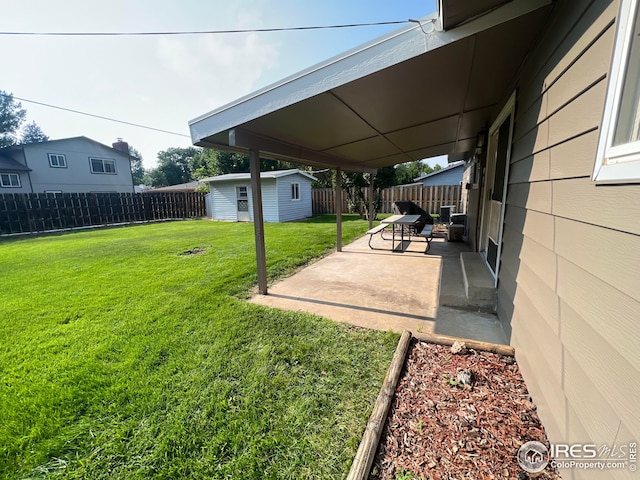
<point x="296" y="190"/>
<point x="16" y="175"/>
<point x="64" y="159"/>
<point x="103" y="160"/>
<point x="619" y="164"/>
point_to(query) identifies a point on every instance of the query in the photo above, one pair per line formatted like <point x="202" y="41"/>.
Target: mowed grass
<point x="121" y="358"/>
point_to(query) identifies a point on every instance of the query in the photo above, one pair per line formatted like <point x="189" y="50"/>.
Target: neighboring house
<point x="286" y="196"/>
<point x="180" y="187"/>
<point x="554" y="202"/>
<point x="69" y="165"/>
<point x="449" y="175"/>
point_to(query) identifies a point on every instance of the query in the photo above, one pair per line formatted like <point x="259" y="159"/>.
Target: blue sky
<point x="166" y="81"/>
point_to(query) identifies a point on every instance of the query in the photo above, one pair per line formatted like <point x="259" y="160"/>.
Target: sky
<point x="165" y="81"/>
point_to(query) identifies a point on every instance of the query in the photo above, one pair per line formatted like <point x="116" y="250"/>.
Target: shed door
<point x="242" y="197"/>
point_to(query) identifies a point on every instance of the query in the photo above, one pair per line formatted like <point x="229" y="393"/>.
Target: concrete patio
<point x="388" y="291"/>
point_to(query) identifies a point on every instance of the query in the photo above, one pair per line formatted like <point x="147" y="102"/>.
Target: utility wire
<point x="202" y="32"/>
<point x="95" y="116"/>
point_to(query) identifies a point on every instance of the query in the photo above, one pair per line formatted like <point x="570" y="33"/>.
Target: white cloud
<point x="220" y="68"/>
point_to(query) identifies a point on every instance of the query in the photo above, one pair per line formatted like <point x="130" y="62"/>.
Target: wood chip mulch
<point x="439" y="428"/>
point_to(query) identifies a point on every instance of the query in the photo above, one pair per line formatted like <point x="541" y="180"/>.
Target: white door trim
<point x="507" y="111"/>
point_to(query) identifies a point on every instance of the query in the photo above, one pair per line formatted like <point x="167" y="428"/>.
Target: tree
<point x="11" y="117"/>
<point x="407" y="172"/>
<point x="155" y="178"/>
<point x="204" y="164"/>
<point x="32" y="133"/>
<point x="137" y="170"/>
<point x="176" y="164"/>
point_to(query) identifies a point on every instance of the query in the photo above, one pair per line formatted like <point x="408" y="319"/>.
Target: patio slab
<point x="383" y="290"/>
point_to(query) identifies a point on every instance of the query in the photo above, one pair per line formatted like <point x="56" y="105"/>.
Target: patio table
<point x="402" y="221"/>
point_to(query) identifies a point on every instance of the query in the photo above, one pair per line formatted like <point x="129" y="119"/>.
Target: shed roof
<point x="451" y="166"/>
<point x="229" y="177"/>
<point x="180" y="187"/>
<point x="405" y="96"/>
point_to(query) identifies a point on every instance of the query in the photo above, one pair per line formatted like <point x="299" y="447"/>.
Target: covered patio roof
<point x="421" y="91"/>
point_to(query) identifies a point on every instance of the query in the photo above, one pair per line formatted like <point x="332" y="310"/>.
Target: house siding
<point x="223" y="202"/>
<point x="449" y="177"/>
<point x="77" y="177"/>
<point x="294" y="209"/>
<point x="25" y="185"/>
<point x="270" y="207"/>
<point x="568" y="293"/>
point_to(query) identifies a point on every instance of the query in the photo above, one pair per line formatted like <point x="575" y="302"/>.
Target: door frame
<point x="508" y="111"/>
<point x="242" y="215"/>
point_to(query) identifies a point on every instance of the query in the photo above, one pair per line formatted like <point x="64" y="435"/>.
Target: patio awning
<point x="421" y="91"/>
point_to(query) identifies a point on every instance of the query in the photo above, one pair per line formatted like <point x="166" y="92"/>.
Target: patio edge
<point x="475" y="344"/>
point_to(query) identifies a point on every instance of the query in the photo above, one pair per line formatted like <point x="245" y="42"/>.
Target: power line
<point x="95" y="116"/>
<point x="202" y="32"/>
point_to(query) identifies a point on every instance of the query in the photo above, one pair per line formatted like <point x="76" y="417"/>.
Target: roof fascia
<point x="372" y="57"/>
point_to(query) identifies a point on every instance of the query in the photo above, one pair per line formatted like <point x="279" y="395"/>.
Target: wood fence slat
<point x="430" y="198"/>
<point x="39" y="212"/>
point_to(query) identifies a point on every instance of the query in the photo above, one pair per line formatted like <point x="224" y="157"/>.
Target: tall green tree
<point x="32" y="133"/>
<point x="11" y="117"/>
<point x="176" y="164"/>
<point x="204" y="164"/>
<point x="137" y="169"/>
<point x="407" y="172"/>
<point x="154" y="178"/>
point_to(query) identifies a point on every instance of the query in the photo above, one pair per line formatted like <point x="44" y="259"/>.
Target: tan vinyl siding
<point x="568" y="288"/>
<point x="608" y="206"/>
<point x="573" y="158"/>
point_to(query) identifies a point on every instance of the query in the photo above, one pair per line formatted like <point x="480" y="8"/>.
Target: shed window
<point x="618" y="158"/>
<point x="295" y="191"/>
<point x="10" y="180"/>
<point x="57" y="161"/>
<point x="103" y="165"/>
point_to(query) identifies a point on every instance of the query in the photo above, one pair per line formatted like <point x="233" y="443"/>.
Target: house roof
<point x="29" y="145"/>
<point x="270" y="174"/>
<point x="421" y="91"/>
<point x="8" y="164"/>
<point x="451" y="166"/>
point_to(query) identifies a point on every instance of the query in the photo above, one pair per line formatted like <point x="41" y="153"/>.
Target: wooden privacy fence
<point x="41" y="212"/>
<point x="430" y="198"/>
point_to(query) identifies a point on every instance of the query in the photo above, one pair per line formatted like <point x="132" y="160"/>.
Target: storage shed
<point x="286" y="196"/>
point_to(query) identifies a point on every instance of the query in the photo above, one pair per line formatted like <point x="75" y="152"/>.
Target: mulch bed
<point x="439" y="428"/>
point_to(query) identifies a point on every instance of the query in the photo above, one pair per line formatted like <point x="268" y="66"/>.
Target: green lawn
<point x="122" y="358"/>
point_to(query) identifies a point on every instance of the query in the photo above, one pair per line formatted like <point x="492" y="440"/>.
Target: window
<point x="618" y="158"/>
<point x="9" y="180"/>
<point x="295" y="191"/>
<point x="103" y="165"/>
<point x="57" y="161"/>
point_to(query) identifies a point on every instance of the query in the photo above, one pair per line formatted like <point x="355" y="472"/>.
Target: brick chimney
<point x="121" y="145"/>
